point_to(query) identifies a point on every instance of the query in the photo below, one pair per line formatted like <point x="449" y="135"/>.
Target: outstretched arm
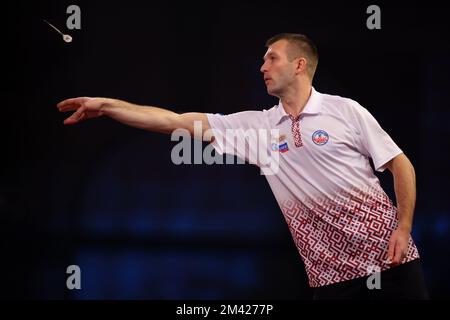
<point x="142" y="117"/>
<point x="405" y="192"/>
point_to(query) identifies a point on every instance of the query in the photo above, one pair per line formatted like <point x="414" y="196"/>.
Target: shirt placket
<point x="295" y="127"/>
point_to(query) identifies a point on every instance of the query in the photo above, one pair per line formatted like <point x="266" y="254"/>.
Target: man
<point x="343" y="224"/>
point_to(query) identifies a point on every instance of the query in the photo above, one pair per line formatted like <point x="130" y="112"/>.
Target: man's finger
<point x="70" y="104"/>
<point x="399" y="255"/>
<point x="76" y="117"/>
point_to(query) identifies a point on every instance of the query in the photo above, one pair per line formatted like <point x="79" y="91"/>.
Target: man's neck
<point x="295" y="101"/>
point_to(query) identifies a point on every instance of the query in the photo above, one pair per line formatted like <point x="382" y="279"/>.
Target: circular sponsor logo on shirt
<point x="320" y="137"/>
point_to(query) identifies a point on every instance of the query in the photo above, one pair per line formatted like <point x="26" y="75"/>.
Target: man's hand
<point x="84" y="107"/>
<point x="398" y="246"/>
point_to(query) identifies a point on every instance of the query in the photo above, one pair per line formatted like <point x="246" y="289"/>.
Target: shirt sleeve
<point x="237" y="133"/>
<point x="372" y="140"/>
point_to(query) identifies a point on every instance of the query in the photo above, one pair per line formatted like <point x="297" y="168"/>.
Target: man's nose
<point x="263" y="68"/>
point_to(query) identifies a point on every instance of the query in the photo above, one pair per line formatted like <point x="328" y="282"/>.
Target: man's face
<point x="279" y="72"/>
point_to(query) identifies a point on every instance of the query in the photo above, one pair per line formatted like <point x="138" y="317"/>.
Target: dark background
<point x="107" y="197"/>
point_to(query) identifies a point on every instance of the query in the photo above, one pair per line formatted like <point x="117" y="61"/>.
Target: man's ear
<point x="301" y="65"/>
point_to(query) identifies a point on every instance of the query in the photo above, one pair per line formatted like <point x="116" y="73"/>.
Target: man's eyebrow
<point x="270" y="54"/>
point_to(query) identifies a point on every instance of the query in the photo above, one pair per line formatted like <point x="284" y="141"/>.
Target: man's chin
<point x="272" y="92"/>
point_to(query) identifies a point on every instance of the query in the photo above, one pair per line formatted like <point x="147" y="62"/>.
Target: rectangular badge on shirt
<point x="279" y="144"/>
<point x="284" y="147"/>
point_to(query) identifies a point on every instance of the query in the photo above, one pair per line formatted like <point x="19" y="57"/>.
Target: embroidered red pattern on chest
<point x="295" y="126"/>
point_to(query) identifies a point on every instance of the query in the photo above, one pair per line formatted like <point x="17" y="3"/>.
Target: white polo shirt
<point x="339" y="216"/>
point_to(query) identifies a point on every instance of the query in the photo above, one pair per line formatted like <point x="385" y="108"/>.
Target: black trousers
<point x="404" y="282"/>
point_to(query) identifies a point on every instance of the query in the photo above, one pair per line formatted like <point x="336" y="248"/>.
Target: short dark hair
<point x="303" y="46"/>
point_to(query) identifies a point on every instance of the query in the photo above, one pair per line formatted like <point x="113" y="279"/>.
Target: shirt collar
<point x="313" y="106"/>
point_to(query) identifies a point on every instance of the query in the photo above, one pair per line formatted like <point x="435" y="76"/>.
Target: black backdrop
<point x="107" y="197"/>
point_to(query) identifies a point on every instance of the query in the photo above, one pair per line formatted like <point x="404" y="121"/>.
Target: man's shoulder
<point x="336" y="99"/>
<point x="338" y="103"/>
